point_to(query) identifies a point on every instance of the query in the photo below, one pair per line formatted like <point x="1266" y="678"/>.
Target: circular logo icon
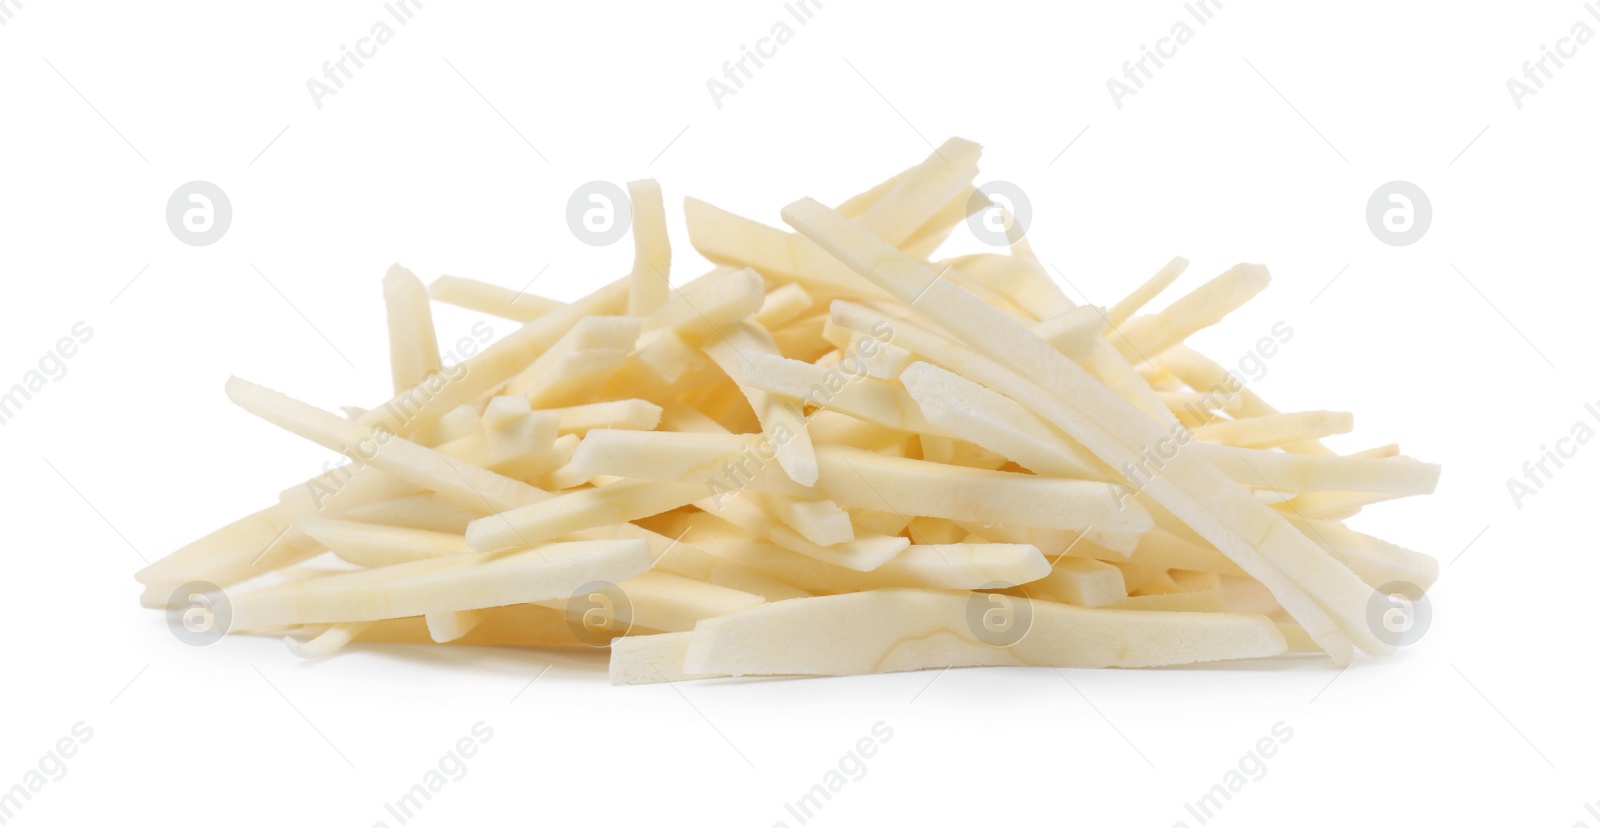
<point x="999" y="619"/>
<point x="1399" y="613"/>
<point x="199" y="213"/>
<point x="598" y="213"/>
<point x="199" y="614"/>
<point x="598" y="612"/>
<point x="1399" y="213"/>
<point x="998" y="213"/>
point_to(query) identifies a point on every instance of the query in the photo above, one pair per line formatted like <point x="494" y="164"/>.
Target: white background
<point x="454" y="151"/>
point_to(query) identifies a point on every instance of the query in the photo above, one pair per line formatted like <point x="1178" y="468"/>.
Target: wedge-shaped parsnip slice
<point x="413" y="346"/>
<point x="371" y="545"/>
<point x="256" y="544"/>
<point x="899" y="629"/>
<point x="650" y="659"/>
<point x="1271" y="430"/>
<point x="581" y="360"/>
<point x="1328" y="599"/>
<point x="914" y="487"/>
<point x="923" y="191"/>
<point x="621" y="502"/>
<point x="648" y="284"/>
<point x="494" y="300"/>
<point x="735" y="241"/>
<point x="458" y="582"/>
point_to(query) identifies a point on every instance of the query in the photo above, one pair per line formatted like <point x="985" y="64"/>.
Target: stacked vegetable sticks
<point x="833" y="453"/>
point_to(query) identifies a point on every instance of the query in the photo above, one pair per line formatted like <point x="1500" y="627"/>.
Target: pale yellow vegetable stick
<point x="444" y="627"/>
<point x="1081" y="581"/>
<point x="370" y="544"/>
<point x="1272" y="430"/>
<point x="1074" y="331"/>
<point x="426" y="511"/>
<point x="642" y="415"/>
<point x="413" y="346"/>
<point x="1313" y="473"/>
<point x="919" y="196"/>
<point x="669" y="603"/>
<point x="782" y="421"/>
<point x="1124" y="310"/>
<point x="458" y="582"/>
<point x="649" y="284"/>
<point x="821" y="522"/>
<point x="621" y="502"/>
<point x="900" y="629"/>
<point x="862" y="554"/>
<point x="650" y="659"/>
<point x="1145" y="337"/>
<point x="494" y="300"/>
<point x="1251" y="533"/>
<point x="328" y="641"/>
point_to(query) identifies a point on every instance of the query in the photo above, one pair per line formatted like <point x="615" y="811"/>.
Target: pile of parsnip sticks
<point x="834" y="453"/>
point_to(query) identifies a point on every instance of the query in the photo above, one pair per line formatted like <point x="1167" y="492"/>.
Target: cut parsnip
<point x="884" y="631"/>
<point x="834" y="452"/>
<point x="454" y="583"/>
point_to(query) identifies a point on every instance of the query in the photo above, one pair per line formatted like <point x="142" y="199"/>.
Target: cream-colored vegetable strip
<point x="1124" y="310"/>
<point x="413" y="346"/>
<point x="328" y="641"/>
<point x="669" y="603"/>
<point x="890" y="630"/>
<point x="621" y="502"/>
<point x="458" y="582"/>
<point x="1145" y="337"/>
<point x="369" y="544"/>
<point x="1328" y="599"/>
<point x="1272" y="430"/>
<point x="782" y="422"/>
<point x="516" y="305"/>
<point x="651" y="659"/>
<point x="648" y="284"/>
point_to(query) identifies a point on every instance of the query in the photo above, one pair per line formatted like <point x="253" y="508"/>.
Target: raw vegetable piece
<point x="369" y="544"/>
<point x="884" y="631"/>
<point x="458" y="582"/>
<point x="648" y="284"/>
<point x="1081" y="581"/>
<point x="669" y="603"/>
<point x="494" y="300"/>
<point x="621" y="502"/>
<point x="413" y="346"/>
<point x="1272" y="430"/>
<point x="1124" y="310"/>
<point x="650" y="659"/>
